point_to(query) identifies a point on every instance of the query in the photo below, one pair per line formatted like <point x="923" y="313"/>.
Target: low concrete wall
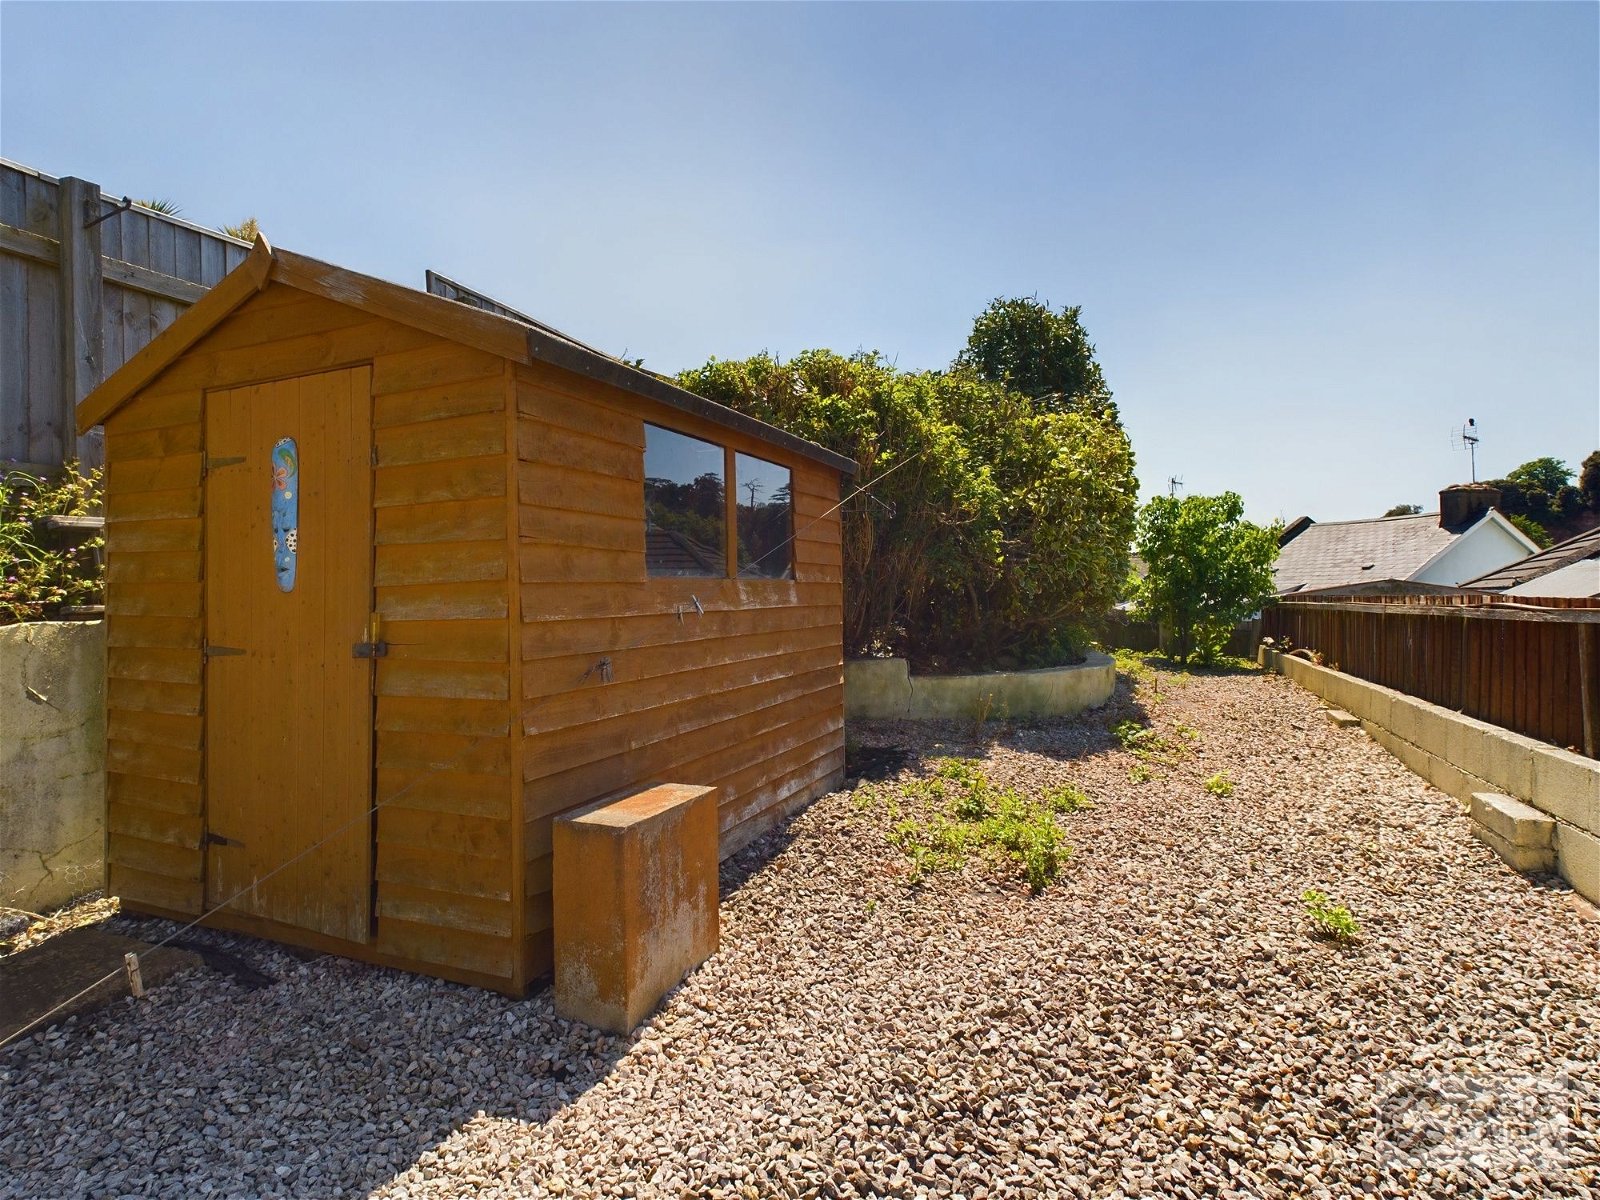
<point x="885" y="687"/>
<point x="52" y="762"/>
<point x="1461" y="755"/>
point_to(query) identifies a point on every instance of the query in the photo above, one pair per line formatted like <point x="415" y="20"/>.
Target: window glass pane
<point x="766" y="518"/>
<point x="684" y="507"/>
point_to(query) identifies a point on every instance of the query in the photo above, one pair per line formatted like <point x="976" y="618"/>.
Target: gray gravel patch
<point x="1159" y="1021"/>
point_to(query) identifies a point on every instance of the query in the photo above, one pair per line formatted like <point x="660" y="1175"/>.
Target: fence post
<point x="82" y="323"/>
<point x="1588" y="634"/>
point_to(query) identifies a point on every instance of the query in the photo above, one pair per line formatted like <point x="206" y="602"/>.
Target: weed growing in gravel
<point x="963" y="813"/>
<point x="1219" y="784"/>
<point x="1187" y="732"/>
<point x="1332" y="921"/>
<point x="1068" y="799"/>
<point x="1138" y="739"/>
<point x="1139" y="773"/>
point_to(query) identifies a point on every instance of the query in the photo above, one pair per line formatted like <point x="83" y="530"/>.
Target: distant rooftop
<point x="1558" y="566"/>
<point x="1339" y="553"/>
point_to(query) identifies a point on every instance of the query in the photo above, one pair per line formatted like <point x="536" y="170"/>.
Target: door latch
<point x="216" y="839"/>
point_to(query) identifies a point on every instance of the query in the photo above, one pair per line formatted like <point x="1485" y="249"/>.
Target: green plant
<point x="1024" y="344"/>
<point x="1219" y="784"/>
<point x="1536" y="533"/>
<point x="165" y="207"/>
<point x="246" y="230"/>
<point x="1187" y="732"/>
<point x="960" y="812"/>
<point x="1330" y="920"/>
<point x="1068" y="799"/>
<point x="36" y="579"/>
<point x="997" y="525"/>
<point x="1139" y="773"/>
<point x="1138" y="740"/>
<point x="1208" y="567"/>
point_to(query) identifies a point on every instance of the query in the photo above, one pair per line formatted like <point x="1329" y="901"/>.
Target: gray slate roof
<point x="1340" y="553"/>
<point x="1574" y="549"/>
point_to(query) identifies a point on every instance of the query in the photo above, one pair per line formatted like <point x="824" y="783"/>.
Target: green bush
<point x="35" y="579"/>
<point x="1208" y="569"/>
<point x="994" y="528"/>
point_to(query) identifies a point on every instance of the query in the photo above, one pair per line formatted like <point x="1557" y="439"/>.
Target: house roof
<point x="1330" y="554"/>
<point x="497" y="334"/>
<point x="1586" y="546"/>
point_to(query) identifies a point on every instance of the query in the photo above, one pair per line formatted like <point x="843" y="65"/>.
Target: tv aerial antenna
<point x="1173" y="484"/>
<point x="1467" y="438"/>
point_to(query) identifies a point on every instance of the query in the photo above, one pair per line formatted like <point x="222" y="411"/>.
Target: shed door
<point x="288" y="705"/>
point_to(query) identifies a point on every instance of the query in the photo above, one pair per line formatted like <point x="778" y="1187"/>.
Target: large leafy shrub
<point x="990" y="527"/>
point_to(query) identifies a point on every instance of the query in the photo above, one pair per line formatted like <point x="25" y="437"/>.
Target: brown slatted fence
<point x="1530" y="665"/>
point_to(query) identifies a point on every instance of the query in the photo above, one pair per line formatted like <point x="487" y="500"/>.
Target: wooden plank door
<point x="288" y="706"/>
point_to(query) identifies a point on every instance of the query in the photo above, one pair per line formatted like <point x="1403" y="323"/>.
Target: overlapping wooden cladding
<point x="746" y="695"/>
<point x="441" y="558"/>
<point x="508" y="561"/>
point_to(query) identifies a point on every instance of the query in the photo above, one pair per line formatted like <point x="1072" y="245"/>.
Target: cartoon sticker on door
<point x="285" y="511"/>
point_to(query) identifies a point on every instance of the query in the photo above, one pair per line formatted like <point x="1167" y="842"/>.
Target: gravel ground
<point x="1159" y="1021"/>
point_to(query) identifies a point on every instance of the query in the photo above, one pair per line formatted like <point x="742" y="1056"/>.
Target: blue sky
<point x="1307" y="239"/>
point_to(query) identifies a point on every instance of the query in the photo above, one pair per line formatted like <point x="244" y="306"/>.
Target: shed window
<point x="765" y="517"/>
<point x="685" y="505"/>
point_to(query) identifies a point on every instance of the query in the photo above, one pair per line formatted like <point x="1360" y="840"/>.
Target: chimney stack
<point x="1462" y="504"/>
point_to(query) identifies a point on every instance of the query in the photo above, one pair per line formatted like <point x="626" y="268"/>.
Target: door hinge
<point x="216" y="839"/>
<point x="211" y="651"/>
<point x="370" y="650"/>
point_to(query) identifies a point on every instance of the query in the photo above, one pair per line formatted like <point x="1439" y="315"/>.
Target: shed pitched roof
<point x="1340" y="553"/>
<point x="461" y="323"/>
<point x="1574" y="550"/>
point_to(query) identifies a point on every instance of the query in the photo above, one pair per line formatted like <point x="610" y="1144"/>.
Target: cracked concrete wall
<point x="52" y="762"/>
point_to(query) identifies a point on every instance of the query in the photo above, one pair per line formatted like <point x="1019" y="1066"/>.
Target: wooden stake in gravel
<point x="135" y="981"/>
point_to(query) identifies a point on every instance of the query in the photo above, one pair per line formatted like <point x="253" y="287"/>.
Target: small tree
<point x="1548" y="475"/>
<point x="1028" y="347"/>
<point x="1404" y="510"/>
<point x="1209" y="568"/>
<point x="1589" y="481"/>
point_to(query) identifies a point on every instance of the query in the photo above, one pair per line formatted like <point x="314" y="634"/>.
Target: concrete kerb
<point x="885" y="687"/>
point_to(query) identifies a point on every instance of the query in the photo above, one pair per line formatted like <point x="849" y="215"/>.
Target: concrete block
<point x="1503" y="758"/>
<point x="634" y="892"/>
<point x="1453" y="781"/>
<point x="1526" y="859"/>
<point x="1342" y="719"/>
<point x="1578" y="857"/>
<point x="1520" y="824"/>
<point x="1420" y="723"/>
<point x="1369" y="701"/>
<point x="1567" y="786"/>
<point x="1414" y="757"/>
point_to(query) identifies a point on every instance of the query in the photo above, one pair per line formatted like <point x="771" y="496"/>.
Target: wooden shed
<point x="394" y="581"/>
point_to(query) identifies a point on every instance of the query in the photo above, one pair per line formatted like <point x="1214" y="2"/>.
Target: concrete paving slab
<point x="34" y="981"/>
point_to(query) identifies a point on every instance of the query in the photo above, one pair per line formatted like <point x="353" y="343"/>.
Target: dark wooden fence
<point x="1531" y="665"/>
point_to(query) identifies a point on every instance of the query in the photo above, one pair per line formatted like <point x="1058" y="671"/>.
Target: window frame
<point x="730" y="505"/>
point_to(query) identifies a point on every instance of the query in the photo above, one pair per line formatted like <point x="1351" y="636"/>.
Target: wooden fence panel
<point x="1530" y="665"/>
<point x="78" y="300"/>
